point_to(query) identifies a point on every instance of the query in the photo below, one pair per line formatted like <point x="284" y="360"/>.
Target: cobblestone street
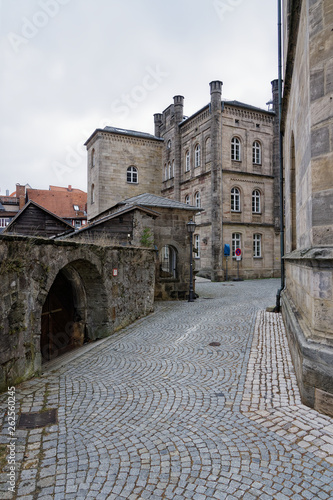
<point x="198" y="400"/>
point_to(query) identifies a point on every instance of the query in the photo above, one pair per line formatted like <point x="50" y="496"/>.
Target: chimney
<point x="20" y="194"/>
<point x="7" y="192"/>
<point x="69" y="187"/>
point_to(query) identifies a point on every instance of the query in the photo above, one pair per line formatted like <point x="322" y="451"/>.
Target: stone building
<point x="307" y="126"/>
<point x="221" y="159"/>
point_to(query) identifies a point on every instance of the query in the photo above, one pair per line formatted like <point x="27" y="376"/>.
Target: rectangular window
<point x="4" y="222"/>
<point x="236" y="243"/>
<point x="257" y="245"/>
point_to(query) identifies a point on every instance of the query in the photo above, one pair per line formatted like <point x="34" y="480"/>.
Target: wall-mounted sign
<point x="115" y="272"/>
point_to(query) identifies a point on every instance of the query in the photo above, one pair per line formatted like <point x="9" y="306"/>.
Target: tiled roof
<point x="152" y="200"/>
<point x="60" y="201"/>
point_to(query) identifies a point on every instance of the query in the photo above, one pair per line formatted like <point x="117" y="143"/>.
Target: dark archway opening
<point x="61" y="329"/>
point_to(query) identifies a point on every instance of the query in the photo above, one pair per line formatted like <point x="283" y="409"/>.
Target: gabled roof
<point x="66" y="226"/>
<point x="122" y="131"/>
<point x="152" y="200"/>
<point x="116" y="214"/>
<point x="60" y="201"/>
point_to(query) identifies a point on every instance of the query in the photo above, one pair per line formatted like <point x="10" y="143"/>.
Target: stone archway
<point x="75" y="310"/>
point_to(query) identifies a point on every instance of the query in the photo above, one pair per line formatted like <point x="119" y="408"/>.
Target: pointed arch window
<point x="187" y="199"/>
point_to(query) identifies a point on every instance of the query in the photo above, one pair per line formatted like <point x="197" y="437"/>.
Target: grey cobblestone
<point x="156" y="412"/>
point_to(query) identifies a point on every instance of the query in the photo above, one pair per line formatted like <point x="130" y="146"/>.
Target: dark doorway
<point x="58" y="316"/>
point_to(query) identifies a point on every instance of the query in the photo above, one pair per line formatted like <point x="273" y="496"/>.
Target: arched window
<point x="168" y="262"/>
<point x="197" y="156"/>
<point x="132" y="175"/>
<point x="208" y="150"/>
<point x="165" y="172"/>
<point x="197" y="199"/>
<point x="169" y="170"/>
<point x="169" y="144"/>
<point x="235" y="200"/>
<point x="187" y="199"/>
<point x="93" y="159"/>
<point x="92" y="193"/>
<point x="197" y="246"/>
<point x="235" y="149"/>
<point x="257" y="245"/>
<point x="235" y="242"/>
<point x="256" y="206"/>
<point x="187" y="161"/>
<point x="173" y="168"/>
<point x="256" y="153"/>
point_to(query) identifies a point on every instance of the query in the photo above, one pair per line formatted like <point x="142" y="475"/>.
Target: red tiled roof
<point x="60" y="201"/>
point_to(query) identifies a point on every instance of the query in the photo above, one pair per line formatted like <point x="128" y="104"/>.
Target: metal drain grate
<point x="38" y="419"/>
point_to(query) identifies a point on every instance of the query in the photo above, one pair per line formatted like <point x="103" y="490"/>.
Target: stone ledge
<point x="324" y="254"/>
<point x="313" y="362"/>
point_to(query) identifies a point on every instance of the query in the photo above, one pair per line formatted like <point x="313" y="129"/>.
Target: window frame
<point x="235" y="149"/>
<point x="235" y="237"/>
<point x="188" y="199"/>
<point x="131" y="174"/>
<point x="197" y="156"/>
<point x="256" y="153"/>
<point x="197" y="199"/>
<point x="256" y="201"/>
<point x="257" y="246"/>
<point x="187" y="161"/>
<point x="235" y="199"/>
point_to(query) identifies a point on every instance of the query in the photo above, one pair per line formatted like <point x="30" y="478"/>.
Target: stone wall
<point x="307" y="124"/>
<point x="111" y="287"/>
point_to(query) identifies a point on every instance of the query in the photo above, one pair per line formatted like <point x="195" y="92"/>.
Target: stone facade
<point x="109" y="152"/>
<point x="194" y="160"/>
<point x="307" y="125"/>
<point x="101" y="289"/>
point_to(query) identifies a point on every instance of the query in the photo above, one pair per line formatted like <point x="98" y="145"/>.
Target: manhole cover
<point x="35" y="420"/>
<point x="215" y="344"/>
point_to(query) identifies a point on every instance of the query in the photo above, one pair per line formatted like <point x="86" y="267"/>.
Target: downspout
<point x="278" y="295"/>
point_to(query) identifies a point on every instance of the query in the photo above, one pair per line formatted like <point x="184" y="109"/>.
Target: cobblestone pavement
<point x="161" y="410"/>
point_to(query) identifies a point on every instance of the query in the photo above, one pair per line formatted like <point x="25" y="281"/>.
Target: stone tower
<point x="216" y="178"/>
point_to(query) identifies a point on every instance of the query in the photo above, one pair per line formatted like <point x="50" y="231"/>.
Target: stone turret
<point x="178" y="103"/>
<point x="158" y="118"/>
<point x="216" y="179"/>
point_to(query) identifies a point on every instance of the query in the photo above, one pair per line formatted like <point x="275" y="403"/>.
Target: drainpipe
<point x="278" y="295"/>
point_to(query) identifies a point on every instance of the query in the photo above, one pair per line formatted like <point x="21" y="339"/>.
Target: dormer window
<point x="76" y="208"/>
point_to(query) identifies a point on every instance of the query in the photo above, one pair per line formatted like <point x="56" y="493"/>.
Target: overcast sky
<point x="71" y="66"/>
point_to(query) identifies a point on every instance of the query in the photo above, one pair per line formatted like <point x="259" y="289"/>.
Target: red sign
<point x="114" y="272"/>
<point x="238" y="252"/>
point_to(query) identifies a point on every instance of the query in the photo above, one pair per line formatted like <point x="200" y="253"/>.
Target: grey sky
<point x="71" y="66"/>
